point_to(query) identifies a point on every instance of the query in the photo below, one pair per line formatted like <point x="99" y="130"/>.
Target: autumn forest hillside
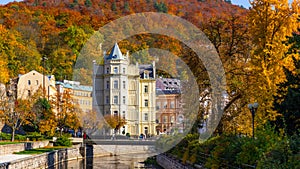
<point x="58" y="29"/>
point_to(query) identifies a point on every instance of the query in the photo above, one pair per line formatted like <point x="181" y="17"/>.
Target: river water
<point x="109" y="162"/>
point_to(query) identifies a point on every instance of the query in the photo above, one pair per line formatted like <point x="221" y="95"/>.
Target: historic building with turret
<point x="125" y="90"/>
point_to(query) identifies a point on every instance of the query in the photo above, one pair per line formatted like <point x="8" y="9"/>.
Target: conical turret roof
<point x="115" y="53"/>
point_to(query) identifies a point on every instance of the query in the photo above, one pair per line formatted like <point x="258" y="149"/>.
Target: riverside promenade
<point x="12" y="157"/>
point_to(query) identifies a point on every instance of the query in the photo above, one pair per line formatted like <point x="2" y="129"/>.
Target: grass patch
<point x="8" y="142"/>
<point x="40" y="150"/>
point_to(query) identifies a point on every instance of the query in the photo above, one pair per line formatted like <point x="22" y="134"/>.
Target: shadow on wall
<point x="89" y="156"/>
<point x="62" y="159"/>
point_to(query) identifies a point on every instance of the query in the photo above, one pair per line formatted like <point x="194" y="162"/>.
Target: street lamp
<point x="44" y="90"/>
<point x="253" y="107"/>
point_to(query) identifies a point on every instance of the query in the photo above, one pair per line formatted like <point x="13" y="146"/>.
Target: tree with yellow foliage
<point x="271" y="22"/>
<point x="114" y="121"/>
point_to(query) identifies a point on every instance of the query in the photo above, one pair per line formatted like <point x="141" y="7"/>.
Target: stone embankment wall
<point x="55" y="158"/>
<point x="61" y="157"/>
<point x="124" y="149"/>
<point x="96" y="151"/>
<point x="11" y="148"/>
<point x="172" y="163"/>
<point x="45" y="160"/>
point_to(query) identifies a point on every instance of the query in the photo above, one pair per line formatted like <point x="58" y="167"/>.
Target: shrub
<point x="5" y="136"/>
<point x="63" y="141"/>
<point x="34" y="136"/>
<point x="20" y="137"/>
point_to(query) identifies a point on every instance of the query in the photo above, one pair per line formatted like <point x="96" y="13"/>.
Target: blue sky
<point x="245" y="3"/>
<point x="6" y="1"/>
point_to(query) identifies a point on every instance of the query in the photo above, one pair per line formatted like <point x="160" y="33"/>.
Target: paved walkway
<point x="12" y="157"/>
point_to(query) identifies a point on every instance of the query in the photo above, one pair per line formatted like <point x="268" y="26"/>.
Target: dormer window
<point x="107" y="70"/>
<point x="146" y="75"/>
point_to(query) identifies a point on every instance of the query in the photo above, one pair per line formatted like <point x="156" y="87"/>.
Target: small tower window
<point x="116" y="84"/>
<point x="123" y="115"/>
<point x="107" y="84"/>
<point x="115" y="99"/>
<point x="124" y="84"/>
<point x="107" y="99"/>
<point x="115" y="70"/>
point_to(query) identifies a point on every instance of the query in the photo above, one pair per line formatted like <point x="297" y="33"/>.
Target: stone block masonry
<point x="170" y="163"/>
<point x="45" y="160"/>
<point x="11" y="148"/>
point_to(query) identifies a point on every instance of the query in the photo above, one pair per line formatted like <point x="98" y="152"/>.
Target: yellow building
<point x="147" y="98"/>
<point x="30" y="82"/>
<point x="81" y="94"/>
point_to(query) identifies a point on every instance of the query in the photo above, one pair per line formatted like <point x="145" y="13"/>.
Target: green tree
<point x="286" y="102"/>
<point x="114" y="6"/>
<point x="126" y="7"/>
<point x="161" y="7"/>
<point x="45" y="117"/>
<point x="88" y="3"/>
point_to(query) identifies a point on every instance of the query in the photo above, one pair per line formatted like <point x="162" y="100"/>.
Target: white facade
<point x="117" y="91"/>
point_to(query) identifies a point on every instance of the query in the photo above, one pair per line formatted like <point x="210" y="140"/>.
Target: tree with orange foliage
<point x="114" y="122"/>
<point x="66" y="111"/>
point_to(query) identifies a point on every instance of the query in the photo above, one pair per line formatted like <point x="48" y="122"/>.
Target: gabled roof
<point x="115" y="53"/>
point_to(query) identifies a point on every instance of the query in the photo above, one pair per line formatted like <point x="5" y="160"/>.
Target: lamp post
<point x="253" y="107"/>
<point x="44" y="59"/>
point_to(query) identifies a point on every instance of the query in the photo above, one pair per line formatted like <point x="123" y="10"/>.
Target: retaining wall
<point x="11" y="148"/>
<point x="124" y="149"/>
<point x="60" y="158"/>
<point x="171" y="163"/>
<point x="45" y="160"/>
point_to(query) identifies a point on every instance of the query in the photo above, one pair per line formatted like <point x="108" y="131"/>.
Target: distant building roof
<point x="74" y="86"/>
<point x="163" y="92"/>
<point x="168" y="84"/>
